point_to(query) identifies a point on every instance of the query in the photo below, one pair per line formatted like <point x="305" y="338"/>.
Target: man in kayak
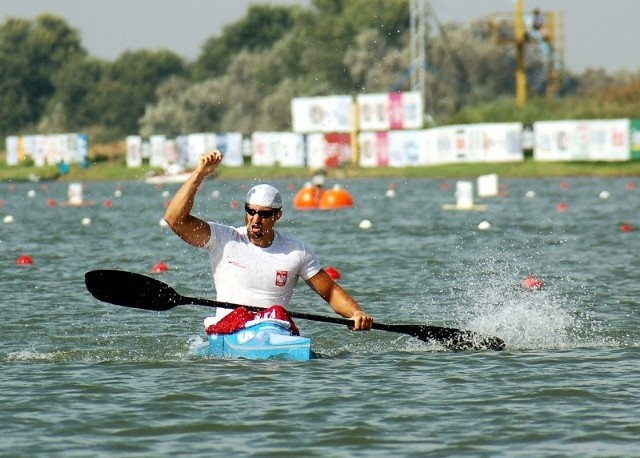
<point x="255" y="264"/>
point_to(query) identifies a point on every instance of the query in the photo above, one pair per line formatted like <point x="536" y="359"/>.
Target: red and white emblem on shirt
<point x="281" y="277"/>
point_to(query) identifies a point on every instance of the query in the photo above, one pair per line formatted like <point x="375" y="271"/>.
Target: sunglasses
<point x="262" y="213"/>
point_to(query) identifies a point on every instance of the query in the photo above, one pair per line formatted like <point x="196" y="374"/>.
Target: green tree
<point x="31" y="54"/>
<point x="263" y="26"/>
<point x="129" y="84"/>
<point x="73" y="106"/>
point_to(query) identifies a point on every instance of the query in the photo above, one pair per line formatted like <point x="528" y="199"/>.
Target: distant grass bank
<point x="115" y="171"/>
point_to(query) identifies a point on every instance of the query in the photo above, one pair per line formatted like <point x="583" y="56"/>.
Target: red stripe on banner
<point x="396" y="120"/>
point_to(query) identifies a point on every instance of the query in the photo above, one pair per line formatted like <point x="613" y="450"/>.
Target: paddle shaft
<point x="186" y="300"/>
<point x="134" y="290"/>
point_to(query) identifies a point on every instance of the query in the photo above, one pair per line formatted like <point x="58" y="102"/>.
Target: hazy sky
<point x="598" y="33"/>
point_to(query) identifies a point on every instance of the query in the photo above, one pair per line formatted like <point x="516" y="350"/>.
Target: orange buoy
<point x="561" y="207"/>
<point x="532" y="282"/>
<point x="626" y="227"/>
<point x="24" y="260"/>
<point x="308" y="198"/>
<point x="51" y="202"/>
<point x="160" y="267"/>
<point x="333" y="272"/>
<point x="335" y="198"/>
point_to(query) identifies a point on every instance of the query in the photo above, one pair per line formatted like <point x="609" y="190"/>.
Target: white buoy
<point x="165" y="194"/>
<point x="484" y="226"/>
<point x="117" y="193"/>
<point x="8" y="219"/>
<point x="215" y="194"/>
<point x="31" y="193"/>
<point x="604" y="195"/>
<point x="464" y="194"/>
<point x="390" y="193"/>
<point x="464" y="198"/>
<point x="86" y="221"/>
<point x="488" y="185"/>
<point x="530" y="194"/>
<point x="365" y="224"/>
<point x="74" y="192"/>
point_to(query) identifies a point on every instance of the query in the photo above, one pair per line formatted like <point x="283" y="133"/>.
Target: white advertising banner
<point x="277" y="148"/>
<point x="156" y="150"/>
<point x="230" y="144"/>
<point x="373" y="111"/>
<point x="502" y="142"/>
<point x="11" y="144"/>
<point x="134" y="151"/>
<point x="497" y="142"/>
<point x="316" y="151"/>
<point x="444" y="152"/>
<point x="368" y="150"/>
<point x="198" y="144"/>
<point x="392" y="111"/>
<point x="374" y="149"/>
<point x="591" y="140"/>
<point x="407" y="148"/>
<point x="322" y="114"/>
<point x="39" y="153"/>
<point x="442" y="145"/>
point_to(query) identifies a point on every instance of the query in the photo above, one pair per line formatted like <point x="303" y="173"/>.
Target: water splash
<point x="490" y="299"/>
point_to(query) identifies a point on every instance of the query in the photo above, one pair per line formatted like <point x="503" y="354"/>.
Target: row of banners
<point x="47" y="149"/>
<point x="370" y="112"/>
<point x="592" y="140"/>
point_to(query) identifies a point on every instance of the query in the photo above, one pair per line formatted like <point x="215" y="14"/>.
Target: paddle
<point x="134" y="290"/>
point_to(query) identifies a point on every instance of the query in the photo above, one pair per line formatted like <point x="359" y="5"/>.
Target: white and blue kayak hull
<point x="260" y="341"/>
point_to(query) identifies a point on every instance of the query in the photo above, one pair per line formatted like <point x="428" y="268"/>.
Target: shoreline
<point x="115" y="171"/>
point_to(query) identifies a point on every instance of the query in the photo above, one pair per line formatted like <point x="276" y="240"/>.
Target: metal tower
<point x="418" y="58"/>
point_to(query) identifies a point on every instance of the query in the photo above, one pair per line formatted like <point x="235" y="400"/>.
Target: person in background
<point x="254" y="264"/>
<point x="538" y="24"/>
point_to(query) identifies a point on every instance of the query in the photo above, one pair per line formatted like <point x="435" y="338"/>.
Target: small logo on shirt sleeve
<point x="281" y="277"/>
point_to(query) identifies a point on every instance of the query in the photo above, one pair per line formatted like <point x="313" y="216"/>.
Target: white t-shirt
<point x="246" y="274"/>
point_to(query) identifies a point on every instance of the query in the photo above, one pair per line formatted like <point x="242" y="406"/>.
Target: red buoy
<point x="532" y="283"/>
<point x="24" y="260"/>
<point x="626" y="227"/>
<point x="160" y="267"/>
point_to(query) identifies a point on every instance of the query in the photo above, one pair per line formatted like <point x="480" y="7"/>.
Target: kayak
<point x="259" y="339"/>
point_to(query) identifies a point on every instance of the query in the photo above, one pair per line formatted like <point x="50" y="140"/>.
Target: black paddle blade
<point x="131" y="290"/>
<point x="456" y="339"/>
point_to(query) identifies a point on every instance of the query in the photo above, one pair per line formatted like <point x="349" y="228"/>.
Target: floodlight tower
<point x="521" y="29"/>
<point x="418" y="58"/>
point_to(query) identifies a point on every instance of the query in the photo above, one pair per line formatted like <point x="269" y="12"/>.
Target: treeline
<point x="244" y="79"/>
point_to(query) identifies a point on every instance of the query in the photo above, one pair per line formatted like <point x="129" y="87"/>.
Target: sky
<point x="598" y="33"/>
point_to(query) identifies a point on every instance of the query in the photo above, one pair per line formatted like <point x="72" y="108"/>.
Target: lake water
<point x="79" y="377"/>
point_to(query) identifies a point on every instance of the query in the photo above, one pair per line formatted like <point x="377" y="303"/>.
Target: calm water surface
<point x="83" y="378"/>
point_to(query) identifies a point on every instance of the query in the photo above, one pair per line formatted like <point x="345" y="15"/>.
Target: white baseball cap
<point x="264" y="195"/>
